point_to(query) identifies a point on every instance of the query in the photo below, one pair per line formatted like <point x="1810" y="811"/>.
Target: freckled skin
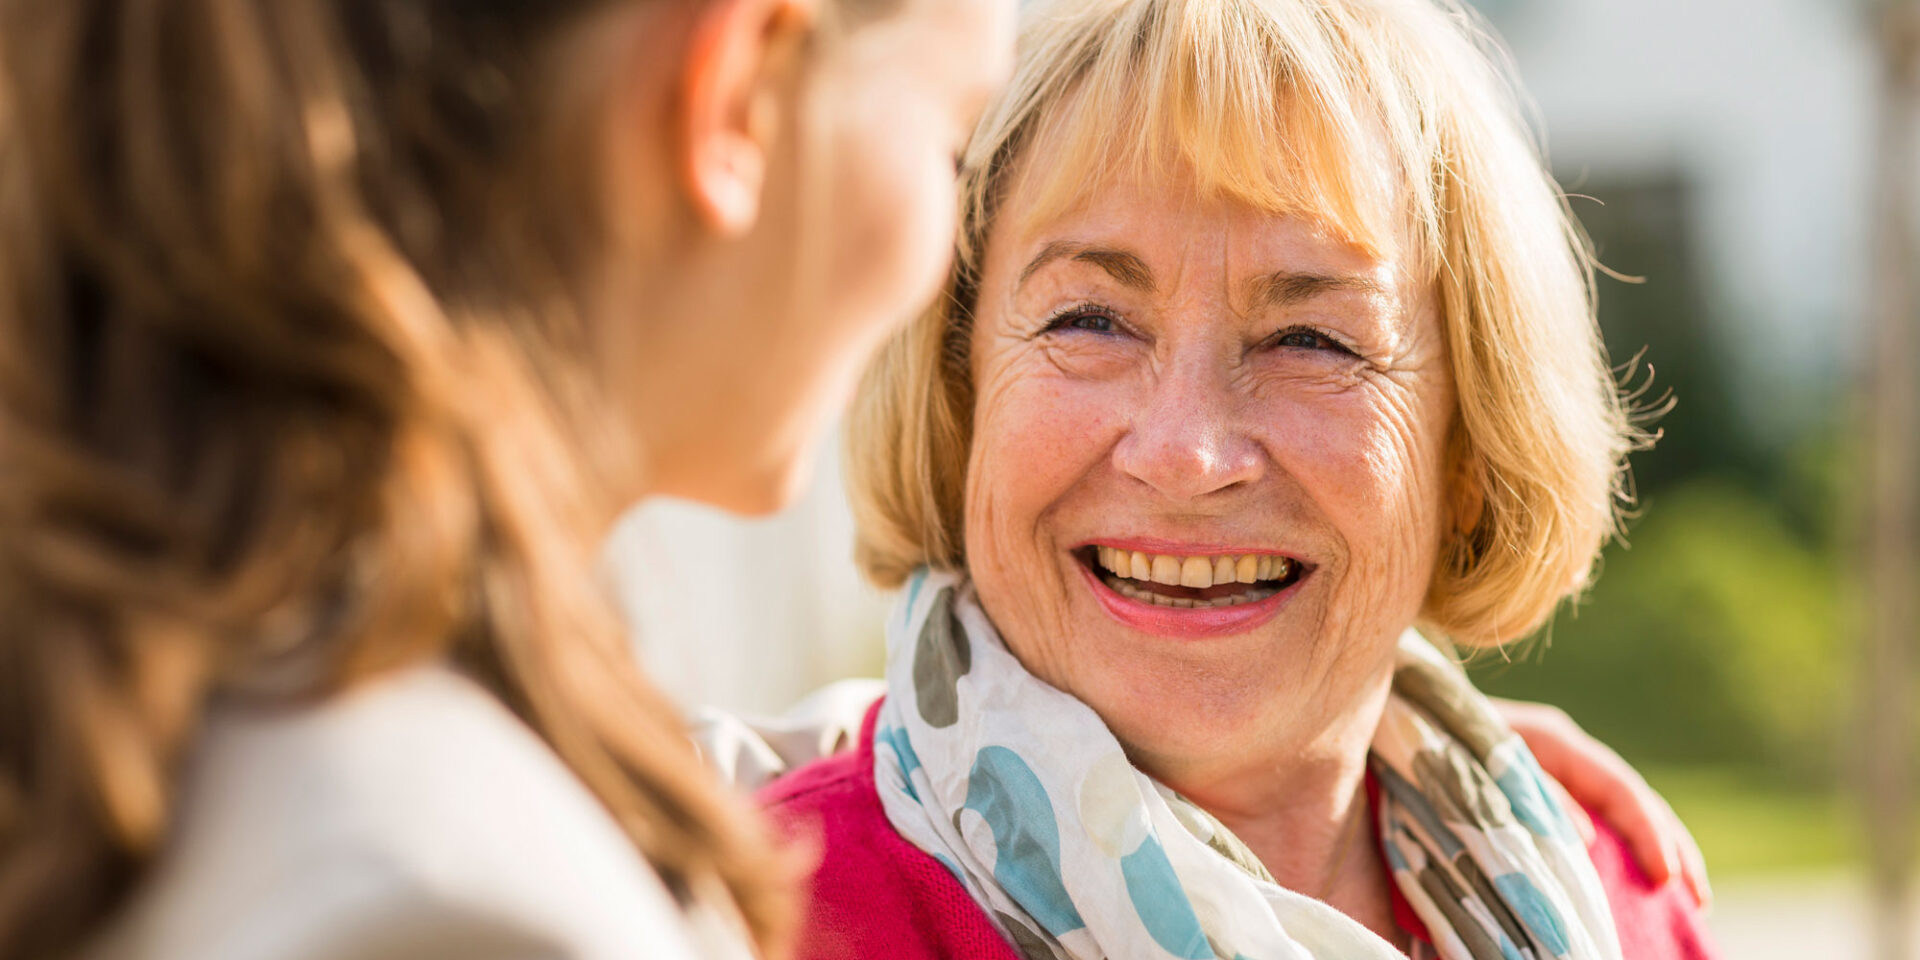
<point x="1177" y="414"/>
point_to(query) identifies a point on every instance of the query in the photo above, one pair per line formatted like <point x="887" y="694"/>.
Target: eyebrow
<point x="1280" y="288"/>
<point x="1125" y="267"/>
<point x="1284" y="288"/>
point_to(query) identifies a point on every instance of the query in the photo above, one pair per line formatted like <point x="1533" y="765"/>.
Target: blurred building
<point x="1748" y="124"/>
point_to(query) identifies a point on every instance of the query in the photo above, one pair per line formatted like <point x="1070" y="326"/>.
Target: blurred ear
<point x="741" y="57"/>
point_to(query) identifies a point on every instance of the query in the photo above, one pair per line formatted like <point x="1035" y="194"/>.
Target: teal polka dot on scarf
<point x="1161" y="902"/>
<point x="1004" y="791"/>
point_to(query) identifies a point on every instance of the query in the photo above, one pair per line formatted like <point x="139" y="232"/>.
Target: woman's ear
<point x="741" y="56"/>
<point x="1466" y="487"/>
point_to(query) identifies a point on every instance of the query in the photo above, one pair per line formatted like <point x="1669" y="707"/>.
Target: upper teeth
<point x="1194" y="571"/>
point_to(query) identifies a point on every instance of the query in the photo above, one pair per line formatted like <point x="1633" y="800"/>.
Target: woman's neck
<point x="1303" y="810"/>
<point x="1330" y="854"/>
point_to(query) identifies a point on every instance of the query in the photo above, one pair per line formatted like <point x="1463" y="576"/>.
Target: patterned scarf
<point x="1022" y="792"/>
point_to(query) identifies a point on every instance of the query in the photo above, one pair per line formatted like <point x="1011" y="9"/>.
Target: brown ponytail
<point x="254" y="257"/>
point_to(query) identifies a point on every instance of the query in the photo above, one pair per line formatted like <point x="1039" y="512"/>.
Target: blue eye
<point x="1089" y="319"/>
<point x="1307" y="338"/>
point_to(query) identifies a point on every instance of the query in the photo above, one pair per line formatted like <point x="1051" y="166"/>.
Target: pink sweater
<point x="876" y="895"/>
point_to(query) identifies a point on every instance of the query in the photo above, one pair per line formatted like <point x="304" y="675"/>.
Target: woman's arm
<point x="1596" y="776"/>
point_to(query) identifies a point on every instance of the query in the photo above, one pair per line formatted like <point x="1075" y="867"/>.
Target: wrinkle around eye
<point x="1336" y="355"/>
<point x="1279" y="370"/>
<point x="1088" y="354"/>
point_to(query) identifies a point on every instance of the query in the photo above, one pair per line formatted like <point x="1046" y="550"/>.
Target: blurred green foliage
<point x="1744" y="828"/>
<point x="1713" y="640"/>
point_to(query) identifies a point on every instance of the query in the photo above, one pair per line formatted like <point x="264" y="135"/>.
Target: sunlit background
<point x="1721" y="152"/>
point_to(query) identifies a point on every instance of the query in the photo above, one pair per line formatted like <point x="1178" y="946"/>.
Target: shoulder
<point x="750" y="752"/>
<point x="414" y="816"/>
<point x="873" y="893"/>
<point x="1655" y="922"/>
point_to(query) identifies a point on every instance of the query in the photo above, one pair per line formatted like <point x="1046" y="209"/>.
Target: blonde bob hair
<point x="1268" y="102"/>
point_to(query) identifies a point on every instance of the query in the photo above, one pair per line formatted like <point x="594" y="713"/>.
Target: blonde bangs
<point x="1264" y="103"/>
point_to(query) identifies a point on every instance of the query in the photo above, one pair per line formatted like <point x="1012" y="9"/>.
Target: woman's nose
<point x="1187" y="440"/>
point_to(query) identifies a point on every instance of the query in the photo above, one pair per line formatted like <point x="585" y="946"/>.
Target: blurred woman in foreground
<point x="333" y="334"/>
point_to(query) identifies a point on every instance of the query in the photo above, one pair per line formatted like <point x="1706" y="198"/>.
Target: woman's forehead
<point x="1138" y="224"/>
<point x="1282" y="260"/>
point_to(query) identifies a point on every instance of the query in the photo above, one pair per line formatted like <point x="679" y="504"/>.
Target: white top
<point x="749" y="752"/>
<point x="413" y="817"/>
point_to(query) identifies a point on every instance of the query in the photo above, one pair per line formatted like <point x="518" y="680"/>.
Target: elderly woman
<point x="1268" y="374"/>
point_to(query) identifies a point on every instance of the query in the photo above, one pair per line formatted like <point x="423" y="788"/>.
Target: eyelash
<point x="1065" y="318"/>
<point x="1330" y="342"/>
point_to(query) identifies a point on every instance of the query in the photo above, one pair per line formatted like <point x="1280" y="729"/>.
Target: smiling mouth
<point x="1188" y="582"/>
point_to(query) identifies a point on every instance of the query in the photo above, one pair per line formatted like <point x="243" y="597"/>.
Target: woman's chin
<point x="775" y="489"/>
<point x="747" y="490"/>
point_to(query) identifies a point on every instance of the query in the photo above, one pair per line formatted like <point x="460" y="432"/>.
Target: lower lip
<point x="1187" y="623"/>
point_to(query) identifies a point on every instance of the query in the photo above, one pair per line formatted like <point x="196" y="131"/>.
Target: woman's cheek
<point x="1043" y="430"/>
<point x="1101" y="362"/>
<point x="1036" y="440"/>
<point x="1364" y="472"/>
<point x="927" y="240"/>
<point x="895" y="212"/>
<point x="1318" y="440"/>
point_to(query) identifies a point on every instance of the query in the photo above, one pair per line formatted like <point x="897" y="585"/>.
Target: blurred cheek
<point x="871" y="250"/>
<point x="891" y="219"/>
